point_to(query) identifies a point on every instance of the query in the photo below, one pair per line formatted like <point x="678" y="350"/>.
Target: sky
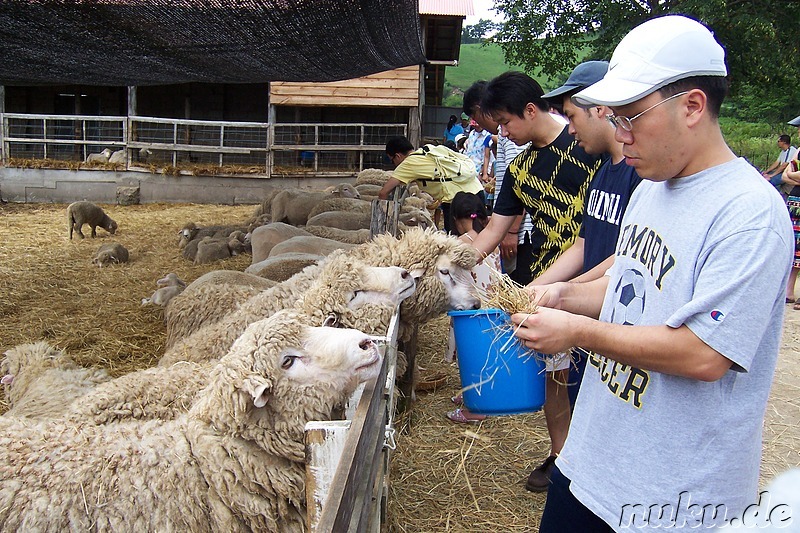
<point x="483" y="10"/>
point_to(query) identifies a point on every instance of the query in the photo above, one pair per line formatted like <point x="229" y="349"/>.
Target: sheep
<point x="416" y="217"/>
<point x="101" y="157"/>
<point x="40" y="380"/>
<point x="308" y="244"/>
<point x="340" y="286"/>
<point x="118" y="158"/>
<point x="145" y="154"/>
<point x="170" y="286"/>
<point x="293" y="205"/>
<point x="262" y="239"/>
<point x="368" y="189"/>
<point x="191" y="231"/>
<point x="352" y="205"/>
<point x="341" y="220"/>
<point x="356" y="236"/>
<point x="207" y="298"/>
<point x="372" y="176"/>
<point x="80" y="213"/>
<point x="110" y="253"/>
<point x="282" y="267"/>
<point x="234" y="462"/>
<point x="263" y="208"/>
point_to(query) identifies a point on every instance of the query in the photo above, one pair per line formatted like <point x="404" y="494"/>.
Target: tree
<point x="477" y="33"/>
<point x="759" y="37"/>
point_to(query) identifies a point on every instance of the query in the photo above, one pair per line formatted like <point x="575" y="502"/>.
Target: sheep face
<point x="382" y="285"/>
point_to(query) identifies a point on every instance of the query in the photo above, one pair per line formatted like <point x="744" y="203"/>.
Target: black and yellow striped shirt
<point x="550" y="183"/>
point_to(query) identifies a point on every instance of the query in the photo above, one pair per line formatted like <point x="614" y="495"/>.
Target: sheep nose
<point x="366" y="344"/>
<point x="405" y="274"/>
<point x="476" y="305"/>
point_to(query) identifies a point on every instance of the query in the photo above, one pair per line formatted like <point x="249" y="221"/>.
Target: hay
<point x="444" y="476"/>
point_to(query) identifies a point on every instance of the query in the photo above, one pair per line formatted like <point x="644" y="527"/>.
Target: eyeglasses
<point x="627" y="123"/>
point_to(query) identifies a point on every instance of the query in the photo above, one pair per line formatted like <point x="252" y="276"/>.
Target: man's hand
<point x="545" y="295"/>
<point x="547" y="330"/>
<point x="508" y="246"/>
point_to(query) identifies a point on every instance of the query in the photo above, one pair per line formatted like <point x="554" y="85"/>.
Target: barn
<point x="208" y="103"/>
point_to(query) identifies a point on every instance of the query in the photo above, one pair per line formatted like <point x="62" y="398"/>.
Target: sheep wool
<point x="234" y="462"/>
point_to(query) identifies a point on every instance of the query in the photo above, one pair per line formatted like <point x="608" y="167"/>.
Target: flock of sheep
<point x="211" y="439"/>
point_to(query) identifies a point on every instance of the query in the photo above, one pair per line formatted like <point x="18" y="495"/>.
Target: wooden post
<point x="3" y="154"/>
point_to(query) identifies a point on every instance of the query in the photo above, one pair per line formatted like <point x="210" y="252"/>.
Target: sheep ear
<point x="259" y="389"/>
<point x="417" y="273"/>
<point x="7" y="379"/>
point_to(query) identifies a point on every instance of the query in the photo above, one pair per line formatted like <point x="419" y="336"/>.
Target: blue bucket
<point x="495" y="382"/>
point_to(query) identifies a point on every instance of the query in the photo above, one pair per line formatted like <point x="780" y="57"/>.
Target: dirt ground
<point x="444" y="476"/>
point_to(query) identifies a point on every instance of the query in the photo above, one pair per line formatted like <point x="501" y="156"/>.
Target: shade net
<point x="156" y="42"/>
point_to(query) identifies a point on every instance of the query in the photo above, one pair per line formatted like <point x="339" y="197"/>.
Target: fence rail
<point x="192" y="146"/>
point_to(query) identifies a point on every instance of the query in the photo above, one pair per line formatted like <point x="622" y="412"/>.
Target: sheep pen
<point x="444" y="476"/>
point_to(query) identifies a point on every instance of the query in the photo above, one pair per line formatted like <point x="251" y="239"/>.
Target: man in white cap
<point x="666" y="431"/>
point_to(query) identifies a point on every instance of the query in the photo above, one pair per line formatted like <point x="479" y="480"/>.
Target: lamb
<point x="293" y="205"/>
<point x="209" y="297"/>
<point x="282" y="267"/>
<point x="40" y="380"/>
<point x="308" y="244"/>
<point x="170" y="286"/>
<point x="234" y="462"/>
<point x="102" y="157"/>
<point x="262" y="239"/>
<point x="190" y="232"/>
<point x="118" y="158"/>
<point x="107" y="254"/>
<point x="340" y="287"/>
<point x="80" y="213"/>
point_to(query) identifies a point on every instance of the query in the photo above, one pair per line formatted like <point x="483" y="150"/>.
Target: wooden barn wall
<point x="393" y="88"/>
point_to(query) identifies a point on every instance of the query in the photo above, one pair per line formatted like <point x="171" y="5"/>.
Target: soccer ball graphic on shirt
<point x="629" y="301"/>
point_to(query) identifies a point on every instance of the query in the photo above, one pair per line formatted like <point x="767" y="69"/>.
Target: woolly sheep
<point x="191" y="231"/>
<point x="109" y="254"/>
<point x="284" y="266"/>
<point x="368" y="189"/>
<point x="170" y="286"/>
<point x="234" y="462"/>
<point x="80" y="213"/>
<point x="308" y="244"/>
<point x="372" y="176"/>
<point x="356" y="236"/>
<point x="40" y="380"/>
<point x="342" y="288"/>
<point x="417" y="217"/>
<point x="263" y="208"/>
<point x="101" y="157"/>
<point x="352" y="205"/>
<point x="208" y="298"/>
<point x="341" y="220"/>
<point x="293" y="205"/>
<point x="263" y="238"/>
<point x="118" y="158"/>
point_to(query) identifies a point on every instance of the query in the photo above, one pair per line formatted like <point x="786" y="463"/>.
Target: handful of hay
<point x="506" y="294"/>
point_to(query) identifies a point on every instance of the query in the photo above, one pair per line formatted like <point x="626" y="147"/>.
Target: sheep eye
<point x="288" y="361"/>
<point x="444" y="272"/>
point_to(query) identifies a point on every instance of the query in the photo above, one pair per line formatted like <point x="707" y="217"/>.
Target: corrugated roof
<point x="456" y="8"/>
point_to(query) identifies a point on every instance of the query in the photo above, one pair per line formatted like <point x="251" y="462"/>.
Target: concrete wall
<point x="66" y="186"/>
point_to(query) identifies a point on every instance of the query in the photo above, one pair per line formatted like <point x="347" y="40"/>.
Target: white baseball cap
<point x="654" y="54"/>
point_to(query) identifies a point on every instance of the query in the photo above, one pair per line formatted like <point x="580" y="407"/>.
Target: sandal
<point x="791" y="300"/>
<point x="796" y="306"/>
<point x="458" y="400"/>
<point x="465" y="417"/>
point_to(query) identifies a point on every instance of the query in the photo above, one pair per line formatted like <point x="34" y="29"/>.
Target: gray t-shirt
<point x="711" y="251"/>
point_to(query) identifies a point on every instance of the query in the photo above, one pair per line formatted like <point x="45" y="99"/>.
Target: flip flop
<point x="459" y="416"/>
<point x="790" y="300"/>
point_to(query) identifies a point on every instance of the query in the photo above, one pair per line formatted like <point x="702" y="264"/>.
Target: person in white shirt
<point x="775" y="170"/>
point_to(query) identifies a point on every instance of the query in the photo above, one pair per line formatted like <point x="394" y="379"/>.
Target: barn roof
<point x="154" y="42"/>
<point x="455" y="8"/>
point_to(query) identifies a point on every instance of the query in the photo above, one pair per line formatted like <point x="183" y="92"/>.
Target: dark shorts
<point x="563" y="513"/>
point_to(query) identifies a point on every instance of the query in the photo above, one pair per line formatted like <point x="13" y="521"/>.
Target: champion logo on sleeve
<point x="717" y="315"/>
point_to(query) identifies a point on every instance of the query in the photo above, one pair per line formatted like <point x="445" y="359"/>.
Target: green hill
<point x="480" y="62"/>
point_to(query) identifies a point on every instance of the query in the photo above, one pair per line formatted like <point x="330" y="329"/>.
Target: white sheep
<point x="372" y="176"/>
<point x="293" y="205"/>
<point x="356" y="236"/>
<point x="209" y="297"/>
<point x="341" y="289"/>
<point x="41" y="380"/>
<point x="282" y="267"/>
<point x="170" y="286"/>
<point x="108" y="254"/>
<point x="234" y="462"/>
<point x="263" y="238"/>
<point x="118" y="158"/>
<point x="101" y="157"/>
<point x="352" y="205"/>
<point x="308" y="244"/>
<point x="368" y="189"/>
<point x="341" y="220"/>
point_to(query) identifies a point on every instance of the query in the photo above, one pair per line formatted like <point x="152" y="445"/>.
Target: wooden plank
<point x="324" y="442"/>
<point x="345" y="102"/>
<point x="323" y="88"/>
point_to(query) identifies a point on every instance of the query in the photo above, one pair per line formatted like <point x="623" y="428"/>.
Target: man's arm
<point x="508" y="246"/>
<point x="391" y="184"/>
<point x="567" y="266"/>
<point x="674" y="351"/>
<point x="595" y="272"/>
<point x="492" y="234"/>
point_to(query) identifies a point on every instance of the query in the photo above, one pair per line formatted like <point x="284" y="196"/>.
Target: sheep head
<point x="186" y="234"/>
<point x="281" y="373"/>
<point x="356" y="294"/>
<point x="25" y="362"/>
